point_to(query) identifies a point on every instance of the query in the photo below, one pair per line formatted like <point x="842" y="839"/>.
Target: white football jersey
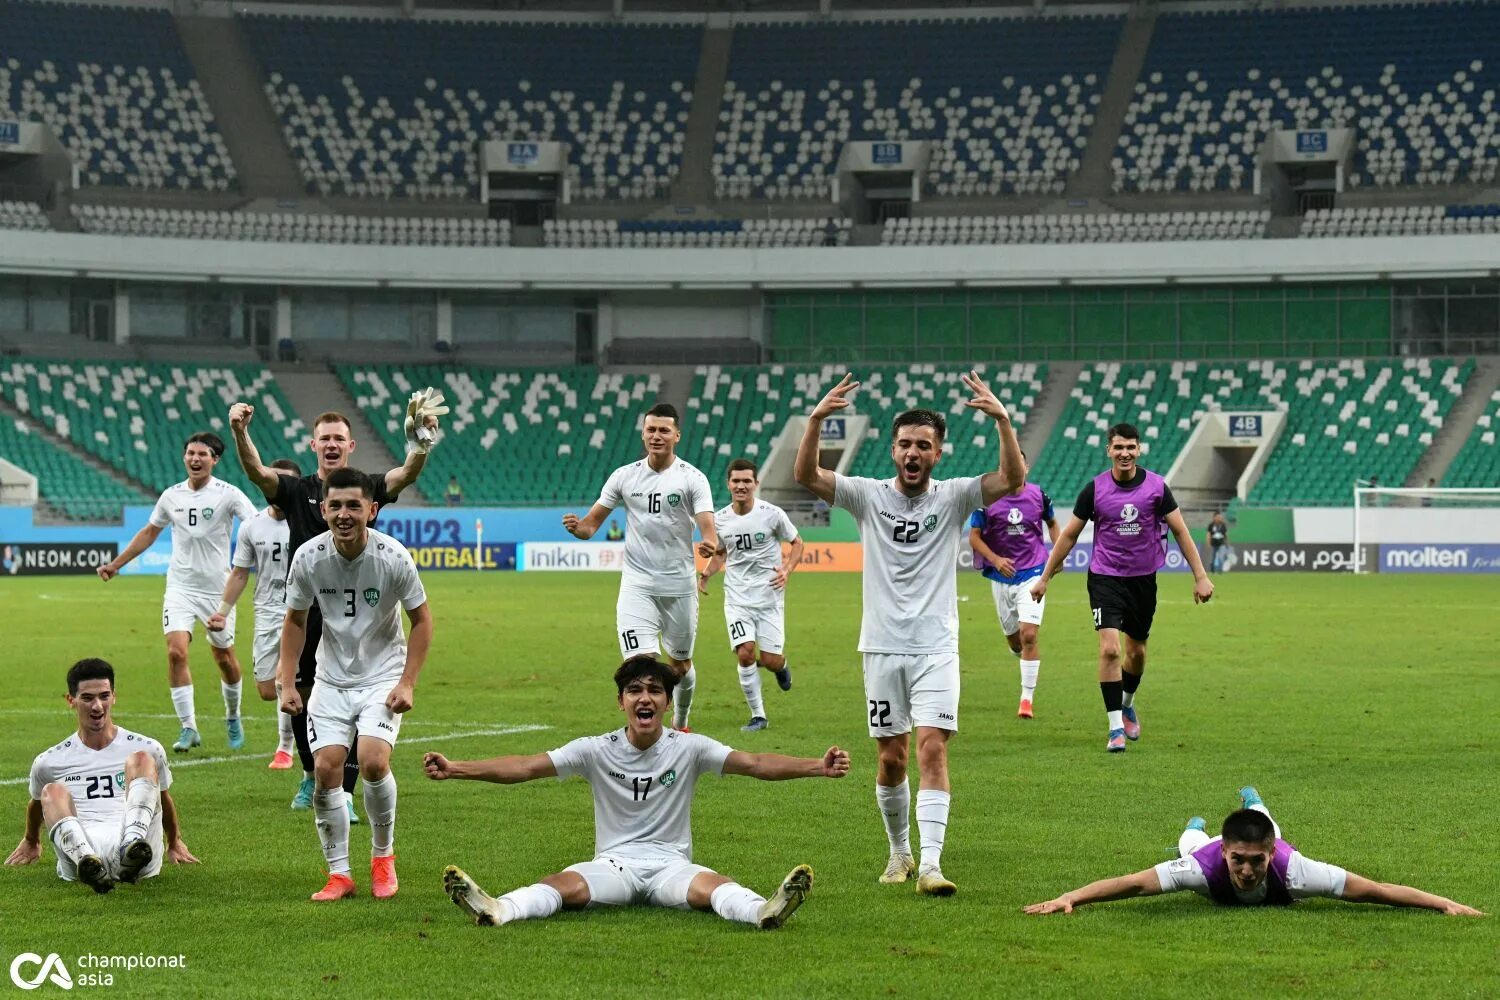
<point x="96" y="778"/>
<point x="659" y="509"/>
<point x="643" y="800"/>
<point x="361" y="601"/>
<point x="752" y="553"/>
<point x="201" y="522"/>
<point x="1304" y="878"/>
<point x="262" y="547"/>
<point x="911" y="547"/>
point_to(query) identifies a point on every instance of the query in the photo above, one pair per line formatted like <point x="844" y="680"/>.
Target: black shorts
<point x="1127" y="603"/>
<point x="307" y="667"/>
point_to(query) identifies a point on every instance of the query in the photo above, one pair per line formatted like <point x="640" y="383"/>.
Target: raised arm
<point x="264" y="477"/>
<point x="406" y="473"/>
<point x="421" y="427"/>
<point x="1358" y="889"/>
<point x="808" y="472"/>
<point x="171" y="830"/>
<point x="29" y="850"/>
<point x="776" y="767"/>
<point x="1012" y="471"/>
<point x="143" y="540"/>
<point x="1062" y="544"/>
<point x="583" y="528"/>
<point x="418" y="642"/>
<point x="501" y="770"/>
<point x="1141" y="883"/>
<point x="1203" y="587"/>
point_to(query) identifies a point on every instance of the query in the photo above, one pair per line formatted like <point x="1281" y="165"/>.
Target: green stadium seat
<point x="70" y="486"/>
<point x="1477" y="463"/>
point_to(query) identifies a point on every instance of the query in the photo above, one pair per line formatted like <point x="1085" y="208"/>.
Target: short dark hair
<point x="90" y="669"/>
<point x="1123" y="430"/>
<point x="742" y="465"/>
<point x="1248" y="826"/>
<point x="332" y="417"/>
<point x="213" y="441"/>
<point x="638" y="667"/>
<point x="346" y="478"/>
<point x="665" y="410"/>
<point x="920" y="418"/>
<point x="287" y="465"/>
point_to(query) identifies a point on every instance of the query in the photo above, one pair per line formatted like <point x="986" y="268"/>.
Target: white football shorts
<point x="641" y="618"/>
<point x="267" y="650"/>
<point x="1015" y="605"/>
<point x="335" y="716"/>
<point x="180" y="610"/>
<point x="106" y="840"/>
<point x="623" y="881"/>
<point x="765" y="627"/>
<point x="907" y="690"/>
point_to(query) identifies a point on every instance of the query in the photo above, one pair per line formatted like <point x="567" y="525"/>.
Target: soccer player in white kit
<point x="102" y="795"/>
<point x="360" y="578"/>
<point x="262" y="546"/>
<point x="201" y="511"/>
<point x="911" y="528"/>
<point x="643" y="779"/>
<point x="664" y="499"/>
<point x="751" y="532"/>
<point x="1248" y="864"/>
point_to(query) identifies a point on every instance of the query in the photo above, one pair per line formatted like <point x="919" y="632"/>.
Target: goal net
<point x="1426" y="529"/>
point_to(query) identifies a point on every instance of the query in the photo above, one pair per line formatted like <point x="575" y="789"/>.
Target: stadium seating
<point x="136" y="417"/>
<point x="398" y="106"/>
<point x="1117" y="227"/>
<point x="1006" y="102"/>
<point x="712" y="233"/>
<point x="1345" y="420"/>
<point x="1478" y="461"/>
<point x="515" y="437"/>
<point x="293" y="227"/>
<point x="117" y="89"/>
<point x="1406" y="77"/>
<point x="69" y="486"/>
<point x="1402" y="220"/>
<point x="737" y="412"/>
<point x="22" y="215"/>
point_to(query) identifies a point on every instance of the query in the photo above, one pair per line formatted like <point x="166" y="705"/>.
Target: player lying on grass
<point x="1248" y="865"/>
<point x="102" y="794"/>
<point x="643" y="780"/>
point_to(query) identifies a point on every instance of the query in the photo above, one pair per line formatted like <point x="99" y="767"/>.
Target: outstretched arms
<point x="1358" y="889"/>
<point x="1141" y="883"/>
<point x="501" y="770"/>
<point x="776" y="767"/>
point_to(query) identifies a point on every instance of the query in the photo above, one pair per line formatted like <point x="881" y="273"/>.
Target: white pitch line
<point x="126" y="717"/>
<point x="441" y="738"/>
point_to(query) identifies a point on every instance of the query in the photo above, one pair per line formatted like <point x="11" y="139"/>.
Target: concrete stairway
<point x="232" y="83"/>
<point x="695" y="180"/>
<point x="1062" y="376"/>
<point x="1457" y="426"/>
<point x="1094" y="176"/>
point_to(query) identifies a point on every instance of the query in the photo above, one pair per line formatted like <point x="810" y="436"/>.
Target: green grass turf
<point x="1364" y="709"/>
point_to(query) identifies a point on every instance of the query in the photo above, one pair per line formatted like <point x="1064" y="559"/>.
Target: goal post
<point x="1414" y="516"/>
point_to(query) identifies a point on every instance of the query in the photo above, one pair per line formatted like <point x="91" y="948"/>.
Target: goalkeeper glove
<point x="428" y="403"/>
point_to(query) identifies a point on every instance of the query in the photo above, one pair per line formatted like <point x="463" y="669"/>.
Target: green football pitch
<point x="1363" y="708"/>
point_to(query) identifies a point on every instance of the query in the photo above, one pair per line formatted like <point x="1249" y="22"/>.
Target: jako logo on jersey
<point x="1015" y="516"/>
<point x="51" y="965"/>
<point x="372" y="596"/>
<point x="666" y="780"/>
<point x="1129" y="513"/>
<point x="674" y="499"/>
<point x="930" y="523"/>
<point x="208" y="513"/>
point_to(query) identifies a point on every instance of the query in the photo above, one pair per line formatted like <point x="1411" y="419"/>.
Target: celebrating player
<point x="643" y="781"/>
<point x="664" y="498"/>
<point x="1248" y="864"/>
<point x="911" y="527"/>
<point x="300" y="500"/>
<point x="102" y="794"/>
<point x="1006" y="538"/>
<point x="751" y="532"/>
<point x="359" y="578"/>
<point x="201" y="510"/>
<point x="262" y="546"/>
<point x="1132" y="509"/>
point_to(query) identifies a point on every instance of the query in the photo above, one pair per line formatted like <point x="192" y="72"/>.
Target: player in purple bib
<point x="1132" y="510"/>
<point x="1009" y="549"/>
<point x="1248" y="864"/>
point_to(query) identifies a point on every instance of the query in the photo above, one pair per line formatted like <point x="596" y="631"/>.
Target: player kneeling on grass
<point x="102" y="794"/>
<point x="643" y="781"/>
<point x="1248" y="864"/>
<point x="360" y="579"/>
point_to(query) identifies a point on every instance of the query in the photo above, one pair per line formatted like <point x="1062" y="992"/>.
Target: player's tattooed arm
<point x="29" y="850"/>
<point x="775" y="767"/>
<point x="171" y="830"/>
<point x="820" y="481"/>
<point x="1358" y="889"/>
<point x="1141" y="883"/>
<point x="1062" y="544"/>
<point x="583" y="528"/>
<point x="264" y="477"/>
<point x="501" y="770"/>
<point x="143" y="540"/>
<point x="1203" y="587"/>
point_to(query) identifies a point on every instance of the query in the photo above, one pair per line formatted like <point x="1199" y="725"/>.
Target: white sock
<point x="1127" y="699"/>
<point x="530" y="902"/>
<point x="1029" y="670"/>
<point x="682" y="698"/>
<point x="231" y="698"/>
<point x="1261" y="808"/>
<point x="750" y="684"/>
<point x="932" y="824"/>
<point x="734" y="902"/>
<point x="380" y="813"/>
<point x="70" y="840"/>
<point x="1190" y="841"/>
<point x="142" y="799"/>
<point x="332" y="819"/>
<point x="182" y="704"/>
<point x="895" y="811"/>
<point x="1116" y="720"/>
<point x="283" y="726"/>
